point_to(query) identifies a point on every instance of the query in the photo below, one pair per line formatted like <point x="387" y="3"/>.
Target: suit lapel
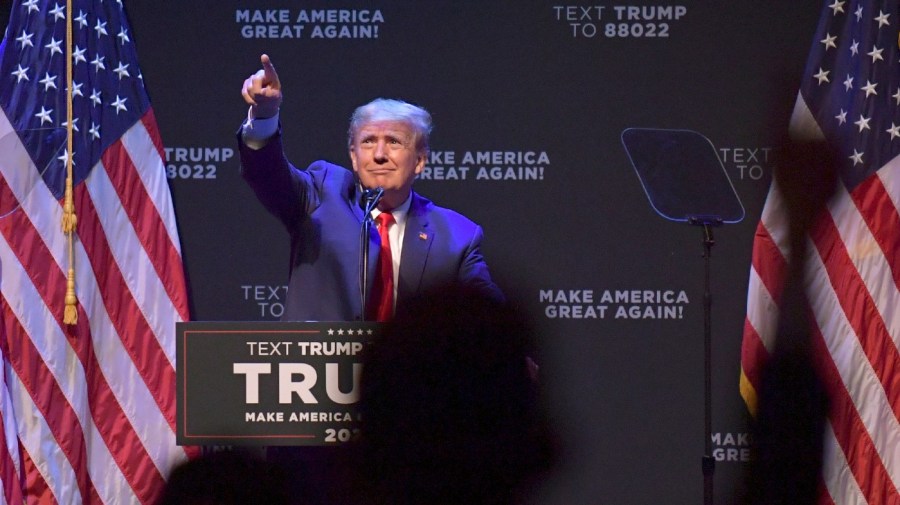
<point x="351" y="189"/>
<point x="417" y="241"/>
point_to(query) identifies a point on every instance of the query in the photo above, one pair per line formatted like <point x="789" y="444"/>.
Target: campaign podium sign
<point x="269" y="383"/>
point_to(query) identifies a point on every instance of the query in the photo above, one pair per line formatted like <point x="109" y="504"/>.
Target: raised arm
<point x="283" y="189"/>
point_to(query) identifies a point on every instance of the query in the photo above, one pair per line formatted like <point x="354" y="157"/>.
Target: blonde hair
<point x="387" y="109"/>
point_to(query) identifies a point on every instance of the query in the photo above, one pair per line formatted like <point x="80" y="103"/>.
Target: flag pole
<point x="69" y="220"/>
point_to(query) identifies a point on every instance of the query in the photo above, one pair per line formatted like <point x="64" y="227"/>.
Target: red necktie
<point x="383" y="289"/>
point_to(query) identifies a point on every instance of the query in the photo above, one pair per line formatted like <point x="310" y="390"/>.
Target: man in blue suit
<point x="321" y="208"/>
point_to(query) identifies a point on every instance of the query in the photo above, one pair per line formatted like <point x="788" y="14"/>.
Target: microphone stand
<point x="369" y="200"/>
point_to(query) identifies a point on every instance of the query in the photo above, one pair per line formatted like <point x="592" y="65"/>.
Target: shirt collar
<point x="399" y="212"/>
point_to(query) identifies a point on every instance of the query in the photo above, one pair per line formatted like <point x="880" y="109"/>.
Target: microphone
<point x="370" y="199"/>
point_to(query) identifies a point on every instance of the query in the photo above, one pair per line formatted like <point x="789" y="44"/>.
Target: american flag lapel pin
<point x="423" y="235"/>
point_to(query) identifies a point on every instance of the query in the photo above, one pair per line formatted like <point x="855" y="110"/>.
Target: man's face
<point x="384" y="155"/>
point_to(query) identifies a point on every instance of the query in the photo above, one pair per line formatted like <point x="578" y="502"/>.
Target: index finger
<point x="269" y="69"/>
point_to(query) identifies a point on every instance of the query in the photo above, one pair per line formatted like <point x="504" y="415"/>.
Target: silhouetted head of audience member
<point x="806" y="174"/>
<point x="226" y="478"/>
<point x="449" y="405"/>
<point x="793" y="403"/>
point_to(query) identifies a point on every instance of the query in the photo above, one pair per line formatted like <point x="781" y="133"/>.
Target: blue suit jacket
<point x="319" y="207"/>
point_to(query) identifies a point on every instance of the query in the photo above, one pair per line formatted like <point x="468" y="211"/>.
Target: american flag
<point x="88" y="410"/>
<point x="850" y="96"/>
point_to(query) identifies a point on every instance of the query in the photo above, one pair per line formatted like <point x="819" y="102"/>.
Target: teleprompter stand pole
<point x="708" y="462"/>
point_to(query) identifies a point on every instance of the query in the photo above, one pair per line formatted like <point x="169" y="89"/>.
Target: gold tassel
<point x="70" y="316"/>
<point x="69" y="219"/>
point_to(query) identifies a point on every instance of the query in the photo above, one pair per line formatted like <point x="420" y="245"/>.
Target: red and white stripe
<point x="853" y="289"/>
<point x="92" y="405"/>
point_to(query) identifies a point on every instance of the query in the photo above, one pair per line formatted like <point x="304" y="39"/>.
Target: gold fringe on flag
<point x="69" y="219"/>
